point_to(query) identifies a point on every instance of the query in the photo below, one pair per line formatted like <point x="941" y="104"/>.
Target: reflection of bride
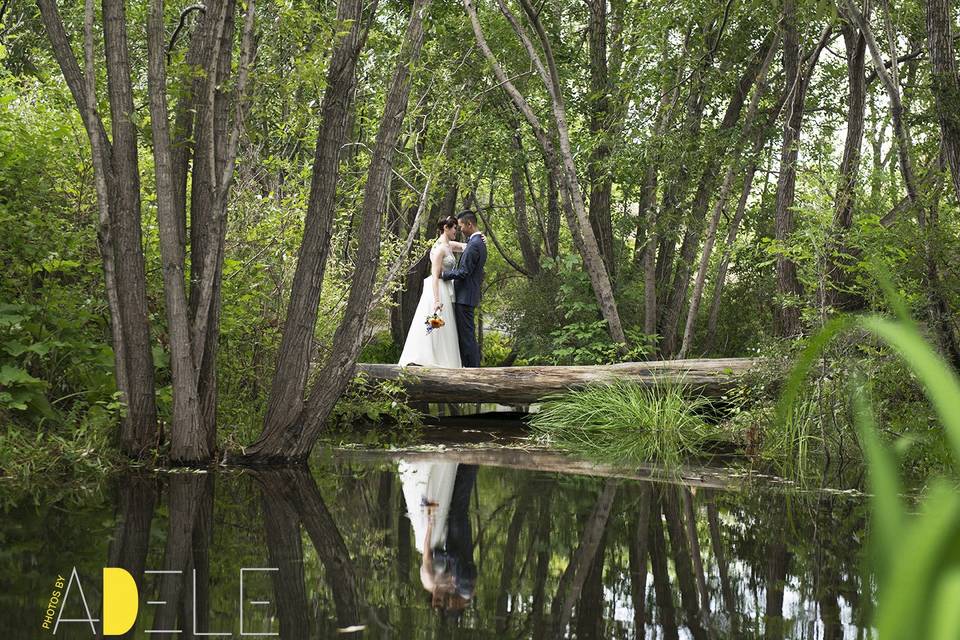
<point x="437" y="496"/>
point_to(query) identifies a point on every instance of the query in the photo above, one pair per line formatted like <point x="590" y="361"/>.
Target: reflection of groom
<point x="468" y="277"/>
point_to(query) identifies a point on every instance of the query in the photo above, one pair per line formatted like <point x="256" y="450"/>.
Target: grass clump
<point x="625" y="422"/>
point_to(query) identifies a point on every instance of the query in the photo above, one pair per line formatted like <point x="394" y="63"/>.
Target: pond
<point x="512" y="552"/>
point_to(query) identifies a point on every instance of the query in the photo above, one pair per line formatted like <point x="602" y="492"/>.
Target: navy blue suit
<point x="468" y="279"/>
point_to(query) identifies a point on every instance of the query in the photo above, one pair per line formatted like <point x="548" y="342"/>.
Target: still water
<point x="436" y="547"/>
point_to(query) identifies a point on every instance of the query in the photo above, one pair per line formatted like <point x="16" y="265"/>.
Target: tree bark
<point x="207" y="212"/>
<point x="121" y="175"/>
<point x="836" y="289"/>
<point x="188" y="443"/>
<point x="531" y="259"/>
<point x="696" y="217"/>
<point x="787" y="311"/>
<point x="293" y="360"/>
<point x="599" y="173"/>
<point x="946" y="86"/>
<point x="522" y="385"/>
<point x="294" y="439"/>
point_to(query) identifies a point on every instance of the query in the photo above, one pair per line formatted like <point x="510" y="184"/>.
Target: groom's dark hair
<point x="468" y="216"/>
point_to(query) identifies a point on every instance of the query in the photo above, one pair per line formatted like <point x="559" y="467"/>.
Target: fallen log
<point x="525" y="385"/>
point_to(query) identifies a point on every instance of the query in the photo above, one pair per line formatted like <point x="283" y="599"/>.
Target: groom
<point x="467" y="277"/>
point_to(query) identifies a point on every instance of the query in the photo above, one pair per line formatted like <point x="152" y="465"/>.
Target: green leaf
<point x="10" y="375"/>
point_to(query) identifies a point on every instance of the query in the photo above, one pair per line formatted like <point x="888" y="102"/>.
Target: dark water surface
<point x="518" y="554"/>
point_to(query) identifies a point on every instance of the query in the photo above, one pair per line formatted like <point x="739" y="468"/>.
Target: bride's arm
<point x="436" y="268"/>
<point x="459" y="247"/>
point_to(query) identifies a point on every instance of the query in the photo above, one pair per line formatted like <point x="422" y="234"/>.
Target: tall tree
<point x="293" y="439"/>
<point x="696" y="218"/>
<point x="946" y="85"/>
<point x="118" y="168"/>
<point x="836" y="287"/>
<point x="559" y="157"/>
<point x="938" y="307"/>
<point x="798" y="76"/>
<point x="293" y="361"/>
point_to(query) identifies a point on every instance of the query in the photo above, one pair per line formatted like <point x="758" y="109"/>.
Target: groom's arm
<point x="467" y="264"/>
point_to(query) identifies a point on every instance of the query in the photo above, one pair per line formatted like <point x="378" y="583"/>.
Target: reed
<point x="624" y="422"/>
<point x="914" y="548"/>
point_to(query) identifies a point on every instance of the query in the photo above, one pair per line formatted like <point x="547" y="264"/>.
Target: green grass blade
<point x="939" y="381"/>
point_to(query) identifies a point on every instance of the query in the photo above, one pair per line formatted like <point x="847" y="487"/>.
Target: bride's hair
<point x="445" y="223"/>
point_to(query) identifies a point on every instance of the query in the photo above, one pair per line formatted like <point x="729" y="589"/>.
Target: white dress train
<point x="439" y="348"/>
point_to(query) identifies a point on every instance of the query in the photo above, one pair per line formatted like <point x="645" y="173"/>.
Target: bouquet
<point x="433" y="322"/>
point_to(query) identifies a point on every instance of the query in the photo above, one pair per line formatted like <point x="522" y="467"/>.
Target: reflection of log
<point x="523" y="385"/>
<point x="549" y="462"/>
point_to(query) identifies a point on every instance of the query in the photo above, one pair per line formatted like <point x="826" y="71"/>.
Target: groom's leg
<point x="466" y="336"/>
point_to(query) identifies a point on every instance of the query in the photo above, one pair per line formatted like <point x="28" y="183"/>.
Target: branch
<point x="183" y="19"/>
<point x="415" y="225"/>
<point x="493" y="236"/>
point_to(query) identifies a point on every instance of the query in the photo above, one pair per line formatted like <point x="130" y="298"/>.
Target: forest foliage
<point x="655" y="180"/>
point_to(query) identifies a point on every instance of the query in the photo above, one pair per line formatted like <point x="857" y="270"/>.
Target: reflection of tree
<point x="542" y="536"/>
<point x="285" y="552"/>
<point x="777" y="560"/>
<point x="716" y="541"/>
<point x="189" y="503"/>
<point x="638" y="560"/>
<point x="131" y="536"/>
<point x="510" y="557"/>
<point x="574" y="576"/>
<point x="297" y="489"/>
<point x="661" y="576"/>
<point x="682" y="562"/>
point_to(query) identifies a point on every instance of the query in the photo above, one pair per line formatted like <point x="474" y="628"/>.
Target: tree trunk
<point x="836" y="289"/>
<point x="296" y="346"/>
<point x="188" y="443"/>
<point x="787" y="312"/>
<point x="732" y="231"/>
<point x="696" y="217"/>
<point x="531" y="259"/>
<point x="208" y="227"/>
<point x="946" y="86"/>
<point x="138" y="434"/>
<point x="294" y="439"/>
<point x="561" y="162"/>
<point x="598" y="171"/>
<point x="721" y="203"/>
<point x="938" y="306"/>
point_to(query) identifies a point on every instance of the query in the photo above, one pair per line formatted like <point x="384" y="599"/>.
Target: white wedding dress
<point x="427" y="481"/>
<point x="440" y="347"/>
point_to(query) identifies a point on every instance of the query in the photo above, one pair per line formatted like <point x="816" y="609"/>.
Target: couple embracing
<point x="452" y="292"/>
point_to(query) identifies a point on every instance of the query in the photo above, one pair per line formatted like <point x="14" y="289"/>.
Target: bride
<point x="439" y="347"/>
